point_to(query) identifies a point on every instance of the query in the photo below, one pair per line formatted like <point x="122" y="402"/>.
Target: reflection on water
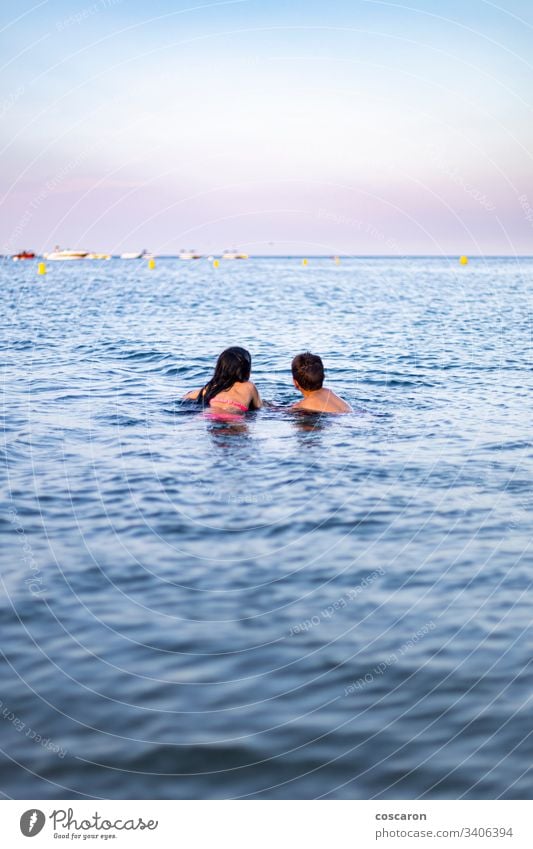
<point x="283" y="605"/>
<point x="314" y="423"/>
<point x="226" y="431"/>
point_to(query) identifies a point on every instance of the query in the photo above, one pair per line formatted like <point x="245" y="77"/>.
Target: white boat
<point x="189" y="255"/>
<point x="234" y="254"/>
<point x="136" y="255"/>
<point x="66" y="255"/>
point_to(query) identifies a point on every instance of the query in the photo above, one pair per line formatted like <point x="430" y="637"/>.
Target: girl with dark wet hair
<point x="230" y="390"/>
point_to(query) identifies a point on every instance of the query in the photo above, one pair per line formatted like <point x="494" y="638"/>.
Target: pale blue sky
<point x="307" y="127"/>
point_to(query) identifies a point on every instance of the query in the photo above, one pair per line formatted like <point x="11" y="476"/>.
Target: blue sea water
<point x="288" y="607"/>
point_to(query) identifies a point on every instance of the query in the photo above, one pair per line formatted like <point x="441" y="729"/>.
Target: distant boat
<point x="98" y="256"/>
<point x="23" y="255"/>
<point x="144" y="254"/>
<point x="234" y="254"/>
<point x="66" y="255"/>
<point x="191" y="254"/>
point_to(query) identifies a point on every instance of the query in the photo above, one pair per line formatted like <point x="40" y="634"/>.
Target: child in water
<point x="230" y="390"/>
<point x="308" y="377"/>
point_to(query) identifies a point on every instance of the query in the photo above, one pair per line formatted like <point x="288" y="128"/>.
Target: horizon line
<point x="360" y="256"/>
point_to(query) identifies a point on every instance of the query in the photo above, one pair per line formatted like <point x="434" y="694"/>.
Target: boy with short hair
<point x="308" y="377"/>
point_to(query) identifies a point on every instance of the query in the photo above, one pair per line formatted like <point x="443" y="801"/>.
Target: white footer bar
<point x="268" y="824"/>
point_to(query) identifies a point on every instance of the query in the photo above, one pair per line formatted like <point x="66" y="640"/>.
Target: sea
<point x="285" y="606"/>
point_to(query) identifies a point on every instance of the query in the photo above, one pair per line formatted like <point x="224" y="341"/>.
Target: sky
<point x="332" y="127"/>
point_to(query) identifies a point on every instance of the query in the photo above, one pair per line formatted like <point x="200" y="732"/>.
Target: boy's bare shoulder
<point x="325" y="401"/>
<point x="343" y="405"/>
<point x="308" y="406"/>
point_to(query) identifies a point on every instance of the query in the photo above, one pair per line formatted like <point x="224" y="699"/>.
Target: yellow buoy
<point x="151" y="263"/>
<point x="337" y="260"/>
<point x="463" y="260"/>
<point x="305" y="261"/>
<point x="41" y="268"/>
<point x="216" y="263"/>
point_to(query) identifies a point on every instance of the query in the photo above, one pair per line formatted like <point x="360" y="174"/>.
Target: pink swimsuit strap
<point x="228" y="401"/>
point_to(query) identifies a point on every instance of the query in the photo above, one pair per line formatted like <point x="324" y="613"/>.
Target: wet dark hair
<point x="308" y="371"/>
<point x="233" y="366"/>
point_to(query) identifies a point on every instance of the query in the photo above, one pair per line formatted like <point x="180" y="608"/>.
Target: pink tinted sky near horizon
<point x="343" y="127"/>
